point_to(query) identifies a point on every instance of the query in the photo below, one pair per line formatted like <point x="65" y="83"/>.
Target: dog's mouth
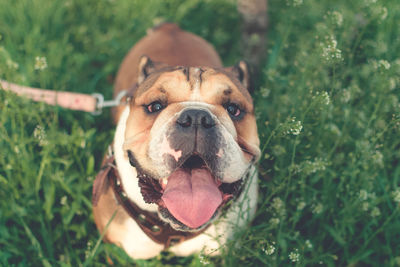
<point x="191" y="195"/>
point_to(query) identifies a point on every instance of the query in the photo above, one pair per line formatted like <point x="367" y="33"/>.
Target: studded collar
<point x="156" y="229"/>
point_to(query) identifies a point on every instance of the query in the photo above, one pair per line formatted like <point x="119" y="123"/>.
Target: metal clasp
<point x="108" y="103"/>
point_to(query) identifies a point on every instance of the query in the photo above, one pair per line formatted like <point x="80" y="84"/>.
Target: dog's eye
<point x="233" y="110"/>
<point x="153" y="107"/>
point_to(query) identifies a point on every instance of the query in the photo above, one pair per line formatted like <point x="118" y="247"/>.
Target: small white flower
<point x="269" y="249"/>
<point x="392" y="84"/>
<point x="309" y="167"/>
<point x="377" y="158"/>
<point x="277" y="203"/>
<point x="365" y="206"/>
<point x="322" y="97"/>
<point x="89" y="246"/>
<point x="325" y="97"/>
<point x="278" y="207"/>
<point x="274" y="221"/>
<point x="12" y="65"/>
<point x="317" y="209"/>
<point x="301" y="205"/>
<point x="291" y="126"/>
<point x="40" y="63"/>
<point x="375" y="212"/>
<point x="265" y="92"/>
<point x="203" y="259"/>
<point x="396" y="195"/>
<point x="384" y="64"/>
<point x="337" y="17"/>
<point x="309" y="244"/>
<point x="346" y="96"/>
<point x="294" y="256"/>
<point x="40" y="134"/>
<point x="296" y="127"/>
<point x="295" y="168"/>
<point x="330" y="52"/>
<point x="63" y="200"/>
<point x="363" y="195"/>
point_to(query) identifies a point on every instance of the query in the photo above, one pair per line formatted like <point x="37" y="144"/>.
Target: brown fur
<point x="104" y="210"/>
<point x="170" y="45"/>
<point x="212" y="89"/>
<point x="167" y="44"/>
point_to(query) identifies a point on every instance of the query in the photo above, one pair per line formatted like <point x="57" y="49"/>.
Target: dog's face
<point x="191" y="135"/>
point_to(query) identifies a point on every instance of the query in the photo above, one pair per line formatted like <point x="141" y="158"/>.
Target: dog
<point x="181" y="175"/>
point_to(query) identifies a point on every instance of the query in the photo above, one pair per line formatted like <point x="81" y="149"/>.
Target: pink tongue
<point x="192" y="198"/>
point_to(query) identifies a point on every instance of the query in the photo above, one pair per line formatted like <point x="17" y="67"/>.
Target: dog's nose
<point x="195" y="117"/>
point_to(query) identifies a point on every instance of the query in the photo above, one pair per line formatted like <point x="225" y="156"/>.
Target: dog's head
<point x="192" y="137"/>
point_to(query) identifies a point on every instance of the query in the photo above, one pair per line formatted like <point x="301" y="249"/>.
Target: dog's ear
<point x="241" y="71"/>
<point x="145" y="68"/>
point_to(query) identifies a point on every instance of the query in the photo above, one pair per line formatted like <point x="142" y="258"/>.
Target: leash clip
<point x="100" y="104"/>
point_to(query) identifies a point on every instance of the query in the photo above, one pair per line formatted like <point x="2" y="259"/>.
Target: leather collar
<point x="156" y="229"/>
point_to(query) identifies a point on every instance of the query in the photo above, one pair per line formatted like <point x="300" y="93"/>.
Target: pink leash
<point x="90" y="103"/>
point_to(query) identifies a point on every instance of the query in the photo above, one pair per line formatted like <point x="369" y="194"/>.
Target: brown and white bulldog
<point x="185" y="147"/>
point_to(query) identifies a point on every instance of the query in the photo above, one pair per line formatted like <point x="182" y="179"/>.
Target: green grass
<point x="328" y="115"/>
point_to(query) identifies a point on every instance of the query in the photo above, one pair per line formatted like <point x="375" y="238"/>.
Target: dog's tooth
<point x="164" y="181"/>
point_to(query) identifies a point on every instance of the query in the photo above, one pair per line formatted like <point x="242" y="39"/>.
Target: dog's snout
<point x="195" y="117"/>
